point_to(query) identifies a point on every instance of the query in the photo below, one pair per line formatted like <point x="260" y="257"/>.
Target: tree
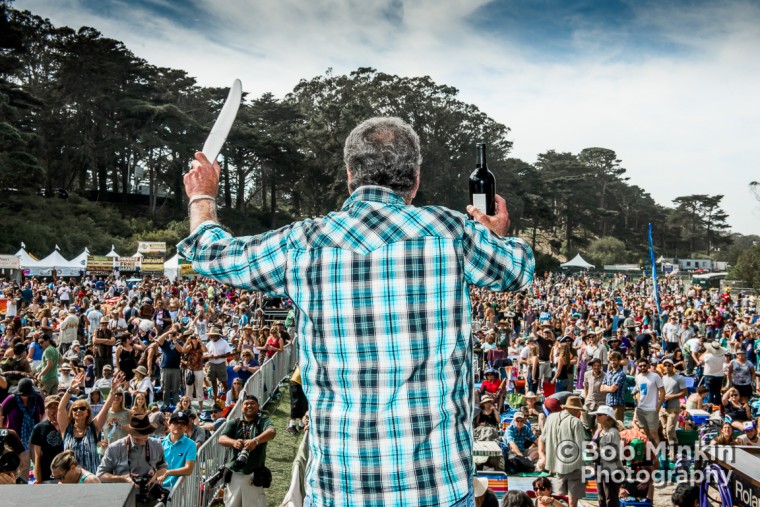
<point x="748" y="266"/>
<point x="704" y="221"/>
<point x="607" y="250"/>
<point x="605" y="171"/>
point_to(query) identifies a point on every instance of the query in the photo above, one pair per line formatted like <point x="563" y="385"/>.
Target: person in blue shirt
<point x="179" y="450"/>
<point x="170" y="363"/>
<point x="247" y="366"/>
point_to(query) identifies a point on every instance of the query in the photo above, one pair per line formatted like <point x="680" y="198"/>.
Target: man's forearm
<point x="202" y="211"/>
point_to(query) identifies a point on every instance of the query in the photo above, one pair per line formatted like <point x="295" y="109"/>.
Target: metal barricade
<point x="191" y="491"/>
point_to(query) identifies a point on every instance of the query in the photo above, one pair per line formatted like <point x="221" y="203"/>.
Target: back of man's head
<point x="685" y="495"/>
<point x="385" y="152"/>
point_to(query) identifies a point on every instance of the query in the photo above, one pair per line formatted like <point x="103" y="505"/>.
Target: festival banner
<point x="9" y="262"/>
<point x="186" y="268"/>
<point x="128" y="264"/>
<point x="152" y="264"/>
<point x="99" y="265"/>
<point x="151" y="247"/>
<point x="154" y="255"/>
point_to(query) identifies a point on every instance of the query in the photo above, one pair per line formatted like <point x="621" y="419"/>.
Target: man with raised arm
<point x="382" y="289"/>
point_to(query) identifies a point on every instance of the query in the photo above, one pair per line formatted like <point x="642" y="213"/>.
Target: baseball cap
<point x="180" y="417"/>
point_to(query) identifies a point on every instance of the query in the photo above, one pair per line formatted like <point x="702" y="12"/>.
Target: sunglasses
<point x="118" y="394"/>
<point x="79" y="409"/>
<point x="58" y="477"/>
<point x="544" y="488"/>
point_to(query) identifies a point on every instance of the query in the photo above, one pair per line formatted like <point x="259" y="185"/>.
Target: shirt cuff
<point x="205" y="232"/>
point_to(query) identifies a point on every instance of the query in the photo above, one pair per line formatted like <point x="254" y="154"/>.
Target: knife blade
<point x="215" y="140"/>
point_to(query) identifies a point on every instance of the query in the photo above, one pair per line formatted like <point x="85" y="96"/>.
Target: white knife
<point x="221" y="128"/>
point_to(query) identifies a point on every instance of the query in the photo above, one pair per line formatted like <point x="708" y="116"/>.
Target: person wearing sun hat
<point x="713" y="360"/>
<point x="136" y="454"/>
<point x="608" y="445"/>
<point x="561" y="449"/>
<point x="484" y="497"/>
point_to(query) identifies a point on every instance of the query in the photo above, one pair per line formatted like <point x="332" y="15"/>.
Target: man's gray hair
<point x="383" y="151"/>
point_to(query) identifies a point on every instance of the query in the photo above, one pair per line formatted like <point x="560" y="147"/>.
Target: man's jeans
<point x="468" y="501"/>
<point x="170" y="382"/>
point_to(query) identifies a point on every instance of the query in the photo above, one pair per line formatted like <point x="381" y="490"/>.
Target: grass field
<point x="283" y="449"/>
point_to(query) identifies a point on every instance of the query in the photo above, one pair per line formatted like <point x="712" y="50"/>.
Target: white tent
<point x="171" y="268"/>
<point x="56" y="261"/>
<point x="81" y="259"/>
<point x="112" y="254"/>
<point x="577" y="262"/>
<point x="26" y="260"/>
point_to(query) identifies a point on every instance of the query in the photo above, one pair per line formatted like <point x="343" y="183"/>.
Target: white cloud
<point x="683" y="122"/>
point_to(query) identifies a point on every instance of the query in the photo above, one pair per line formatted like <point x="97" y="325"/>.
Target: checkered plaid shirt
<point x="384" y="329"/>
<point x="618" y="378"/>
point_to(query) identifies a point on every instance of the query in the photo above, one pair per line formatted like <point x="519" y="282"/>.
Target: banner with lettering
<point x="154" y="255"/>
<point x="128" y="264"/>
<point x="99" y="265"/>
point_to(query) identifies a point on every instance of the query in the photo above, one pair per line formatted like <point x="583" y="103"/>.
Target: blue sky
<point x="671" y="86"/>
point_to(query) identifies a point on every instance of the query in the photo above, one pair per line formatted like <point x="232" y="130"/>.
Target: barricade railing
<point x="192" y="490"/>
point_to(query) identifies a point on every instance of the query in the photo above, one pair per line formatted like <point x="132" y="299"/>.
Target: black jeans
<point x="714" y="384"/>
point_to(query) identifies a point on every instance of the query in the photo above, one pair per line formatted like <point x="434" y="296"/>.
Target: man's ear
<point x="413" y="193"/>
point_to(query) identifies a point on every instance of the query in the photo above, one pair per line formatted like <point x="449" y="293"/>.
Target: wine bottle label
<point x="479" y="201"/>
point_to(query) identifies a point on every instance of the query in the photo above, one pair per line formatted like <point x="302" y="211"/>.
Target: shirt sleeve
<point x="107" y="464"/>
<point x="251" y="262"/>
<point x="496" y="263"/>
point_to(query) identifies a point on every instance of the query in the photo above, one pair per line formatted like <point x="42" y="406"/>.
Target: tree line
<point x="81" y="112"/>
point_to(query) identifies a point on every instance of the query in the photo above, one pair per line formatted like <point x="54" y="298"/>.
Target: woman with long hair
<point x="141" y="383"/>
<point x="140" y="403"/>
<point x="66" y="470"/>
<point x="118" y="418"/>
<point x="275" y="343"/>
<point x="127" y="354"/>
<point x="233" y="394"/>
<point x="193" y="350"/>
<point x="562" y="376"/>
<point x="726" y="435"/>
<point x="79" y="428"/>
<point x="261" y="344"/>
<point x="45" y="321"/>
<point x="185" y="404"/>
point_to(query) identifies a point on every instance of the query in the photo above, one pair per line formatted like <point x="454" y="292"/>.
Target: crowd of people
<point x="593" y="360"/>
<point x="91" y="376"/>
<point x="107" y="381"/>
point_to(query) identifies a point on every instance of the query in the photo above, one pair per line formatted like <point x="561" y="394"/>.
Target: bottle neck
<point x="480" y="161"/>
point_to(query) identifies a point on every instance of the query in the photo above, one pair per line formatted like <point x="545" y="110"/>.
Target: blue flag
<point x="655" y="286"/>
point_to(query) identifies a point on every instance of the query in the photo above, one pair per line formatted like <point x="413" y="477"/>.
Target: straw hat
<point x="573" y="403"/>
<point x="486" y="399"/>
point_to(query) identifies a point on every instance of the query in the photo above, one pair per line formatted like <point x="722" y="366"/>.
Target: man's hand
<point x="239" y="444"/>
<point x="7" y="478"/>
<point x="250" y="444"/>
<point x="203" y="178"/>
<point x="498" y="224"/>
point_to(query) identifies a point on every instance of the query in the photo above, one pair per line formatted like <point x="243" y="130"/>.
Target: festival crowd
<point x="593" y="362"/>
<point x="115" y="381"/>
<point x="112" y="381"/>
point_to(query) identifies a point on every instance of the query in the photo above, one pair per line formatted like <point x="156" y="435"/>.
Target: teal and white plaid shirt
<point x="385" y="347"/>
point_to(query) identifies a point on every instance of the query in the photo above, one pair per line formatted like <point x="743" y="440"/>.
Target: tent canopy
<point x="56" y="261"/>
<point x="25" y="259"/>
<point x="577" y="262"/>
<point x="81" y="259"/>
<point x="113" y="253"/>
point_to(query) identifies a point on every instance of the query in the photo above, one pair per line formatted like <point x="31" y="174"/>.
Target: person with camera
<point x="11" y="450"/>
<point x="171" y="355"/>
<point x="248" y="436"/>
<point x="136" y="459"/>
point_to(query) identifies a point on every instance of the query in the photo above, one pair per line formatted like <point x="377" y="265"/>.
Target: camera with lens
<point x="149" y="492"/>
<point x="242" y="458"/>
<point x="9" y="460"/>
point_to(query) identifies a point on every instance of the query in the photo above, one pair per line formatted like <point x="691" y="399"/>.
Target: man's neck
<point x="174" y="438"/>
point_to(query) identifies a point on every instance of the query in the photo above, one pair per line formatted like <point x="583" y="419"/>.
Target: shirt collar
<point x="373" y="193"/>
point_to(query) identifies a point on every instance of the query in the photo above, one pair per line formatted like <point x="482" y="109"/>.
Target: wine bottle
<point x="483" y="184"/>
